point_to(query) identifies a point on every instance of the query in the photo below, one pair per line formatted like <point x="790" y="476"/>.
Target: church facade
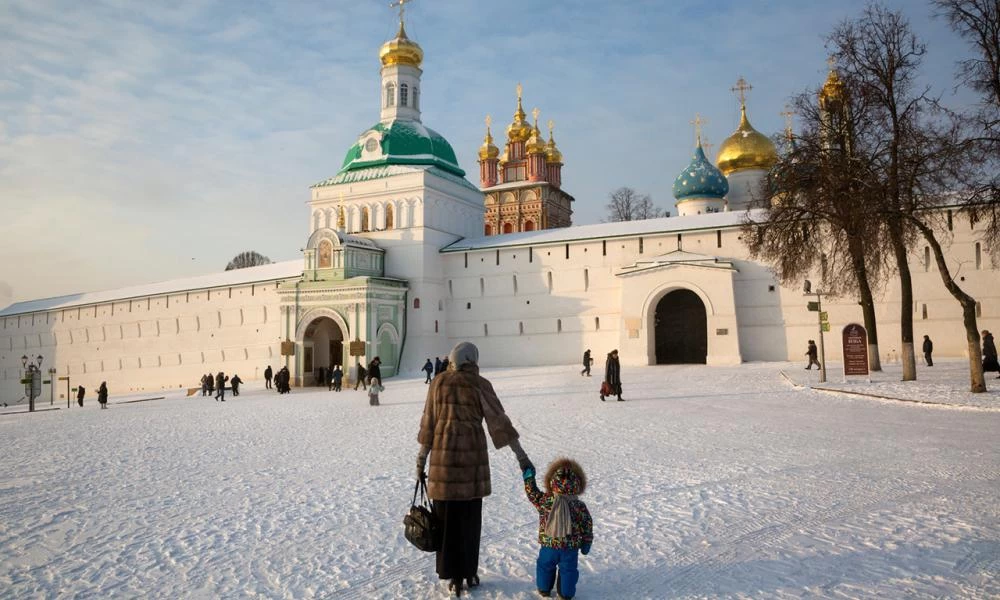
<point x="406" y="257"/>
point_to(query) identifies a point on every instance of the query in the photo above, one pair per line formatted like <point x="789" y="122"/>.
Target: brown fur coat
<point x="452" y="426"/>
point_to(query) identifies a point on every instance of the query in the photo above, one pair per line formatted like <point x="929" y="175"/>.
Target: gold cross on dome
<point x="534" y="113"/>
<point x="707" y="147"/>
<point x="402" y="6"/>
<point x="741" y="88"/>
<point x="698" y="122"/>
<point x="489" y="121"/>
<point x="519" y="89"/>
<point x="831" y="61"/>
<point x="788" y="113"/>
<point x="552" y="125"/>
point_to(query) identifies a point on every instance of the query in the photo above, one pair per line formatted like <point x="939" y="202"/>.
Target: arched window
<point x="416" y="303"/>
<point x="586" y="279"/>
<point x="549" y="274"/>
<point x="529" y="225"/>
<point x="390" y="95"/>
<point x="486" y="330"/>
<point x="520" y="327"/>
<point x="487" y="230"/>
<point x="435" y="326"/>
<point x="559" y="325"/>
<point x="364" y="219"/>
<point x="388" y="216"/>
<point x="416" y="98"/>
<point x="597" y="323"/>
<point x="508" y="228"/>
<point x="979" y="256"/>
<point x="404" y="92"/>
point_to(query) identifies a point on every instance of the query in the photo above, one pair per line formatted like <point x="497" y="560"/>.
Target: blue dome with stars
<point x="700" y="179"/>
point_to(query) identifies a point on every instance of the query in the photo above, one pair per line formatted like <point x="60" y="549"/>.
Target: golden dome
<point x="833" y="89"/>
<point x="504" y="159"/>
<point x="746" y="148"/>
<point x="552" y="154"/>
<point x="401" y="50"/>
<point x="536" y="143"/>
<point x="519" y="130"/>
<point x="488" y="151"/>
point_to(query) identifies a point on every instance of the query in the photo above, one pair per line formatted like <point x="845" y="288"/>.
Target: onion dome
<point x="700" y="179"/>
<point x="833" y="90"/>
<point x="401" y="50"/>
<point x="552" y="153"/>
<point x="488" y="151"/>
<point x="536" y="143"/>
<point x="519" y="130"/>
<point x="746" y="148"/>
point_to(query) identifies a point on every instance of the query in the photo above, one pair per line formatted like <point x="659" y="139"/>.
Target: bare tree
<point x="626" y="204"/>
<point x="814" y="206"/>
<point x="247" y="258"/>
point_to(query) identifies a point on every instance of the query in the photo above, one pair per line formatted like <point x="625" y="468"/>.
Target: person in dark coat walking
<point x="429" y="369"/>
<point x="337" y="377"/>
<point x="613" y="376"/>
<point x="80" y="393"/>
<point x="990" y="354"/>
<point x="268" y="374"/>
<point x="586" y="363"/>
<point x="204" y="384"/>
<point x="102" y="395"/>
<point x="812" y="353"/>
<point x="375" y="371"/>
<point x="283" y="380"/>
<point x="362" y="378"/>
<point x="928" y="348"/>
<point x="211" y="383"/>
<point x="437" y="366"/>
<point x="444" y="364"/>
<point x="329" y="379"/>
<point x="451" y="432"/>
<point x="235" y="382"/>
<point x="220" y="386"/>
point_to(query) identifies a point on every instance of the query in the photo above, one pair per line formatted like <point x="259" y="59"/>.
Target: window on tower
<point x="404" y="92"/>
<point x="388" y="216"/>
<point x="416" y="98"/>
<point x="364" y="219"/>
<point x="390" y="95"/>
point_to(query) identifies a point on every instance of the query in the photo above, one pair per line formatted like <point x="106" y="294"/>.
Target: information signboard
<point x="288" y="348"/>
<point x="357" y="348"/>
<point x="855" y="350"/>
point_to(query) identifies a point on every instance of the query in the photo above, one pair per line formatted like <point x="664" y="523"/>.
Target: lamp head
<point x="39" y="360"/>
<point x="807" y="286"/>
<point x="24" y="361"/>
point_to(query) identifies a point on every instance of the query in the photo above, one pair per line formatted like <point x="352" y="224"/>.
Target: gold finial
<point x="552" y="125"/>
<point x="489" y="121"/>
<point x="519" y="90"/>
<point x="534" y="113"/>
<point x="788" y="113"/>
<point x="402" y="6"/>
<point x="698" y="122"/>
<point x="741" y="88"/>
<point x="707" y="147"/>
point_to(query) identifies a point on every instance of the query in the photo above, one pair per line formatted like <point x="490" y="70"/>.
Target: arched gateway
<point x="322" y="347"/>
<point x="681" y="329"/>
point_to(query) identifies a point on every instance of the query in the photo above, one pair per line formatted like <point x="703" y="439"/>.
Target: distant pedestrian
<point x="220" y="386"/>
<point x="235" y="383"/>
<point x="337" y="378"/>
<point x="990" y="354"/>
<point x="80" y="393"/>
<point x="268" y="374"/>
<point x="211" y="383"/>
<point x="373" y="389"/>
<point x="362" y="374"/>
<point x="283" y="380"/>
<point x="587" y="361"/>
<point x="437" y="366"/>
<point x="329" y="379"/>
<point x="812" y="353"/>
<point x="102" y="394"/>
<point x="928" y="348"/>
<point x="375" y="370"/>
<point x="429" y="369"/>
<point x="612" y="377"/>
<point x="204" y="384"/>
<point x="321" y="376"/>
<point x="444" y="364"/>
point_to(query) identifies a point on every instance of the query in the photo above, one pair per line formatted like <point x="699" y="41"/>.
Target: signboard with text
<point x="357" y="348"/>
<point x="855" y="350"/>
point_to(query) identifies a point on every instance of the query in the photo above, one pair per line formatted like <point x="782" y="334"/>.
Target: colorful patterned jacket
<point x="564" y="477"/>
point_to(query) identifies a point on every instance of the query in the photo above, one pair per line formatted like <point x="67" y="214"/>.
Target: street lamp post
<point x="32" y="379"/>
<point x="818" y="309"/>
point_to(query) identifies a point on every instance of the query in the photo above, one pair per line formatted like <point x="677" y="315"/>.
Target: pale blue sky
<point x="142" y="141"/>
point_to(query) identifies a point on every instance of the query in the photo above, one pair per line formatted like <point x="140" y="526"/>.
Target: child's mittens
<point x="585" y="549"/>
<point x="528" y="473"/>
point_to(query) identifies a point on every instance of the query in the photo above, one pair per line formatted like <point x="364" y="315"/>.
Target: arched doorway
<point x="681" y="329"/>
<point x="322" y="347"/>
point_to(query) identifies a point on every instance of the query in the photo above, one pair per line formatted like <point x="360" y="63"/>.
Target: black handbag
<point x="421" y="527"/>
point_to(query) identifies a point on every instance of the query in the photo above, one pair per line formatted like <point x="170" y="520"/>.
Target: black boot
<point x="472" y="582"/>
<point x="455" y="587"/>
<point x="602" y="397"/>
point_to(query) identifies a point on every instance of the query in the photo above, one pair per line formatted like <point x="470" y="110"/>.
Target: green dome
<point x="401" y="143"/>
<point x="700" y="179"/>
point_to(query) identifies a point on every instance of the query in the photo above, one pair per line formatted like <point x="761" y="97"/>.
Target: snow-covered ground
<point x="707" y="482"/>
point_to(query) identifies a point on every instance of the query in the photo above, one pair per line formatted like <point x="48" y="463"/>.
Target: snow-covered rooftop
<point x="601" y="231"/>
<point x="279" y="270"/>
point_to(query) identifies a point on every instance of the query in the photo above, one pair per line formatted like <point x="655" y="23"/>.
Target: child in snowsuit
<point x="373" y="389"/>
<point x="564" y="526"/>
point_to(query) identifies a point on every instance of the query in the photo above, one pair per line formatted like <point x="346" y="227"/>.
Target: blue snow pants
<point x="545" y="570"/>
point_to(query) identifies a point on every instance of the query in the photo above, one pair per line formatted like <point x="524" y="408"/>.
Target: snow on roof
<point x="601" y="231"/>
<point x="281" y="270"/>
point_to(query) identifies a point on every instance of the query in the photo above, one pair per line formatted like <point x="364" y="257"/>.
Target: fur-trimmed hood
<point x="565" y="476"/>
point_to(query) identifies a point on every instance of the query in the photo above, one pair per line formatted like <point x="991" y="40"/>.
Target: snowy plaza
<point x="706" y="482"/>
